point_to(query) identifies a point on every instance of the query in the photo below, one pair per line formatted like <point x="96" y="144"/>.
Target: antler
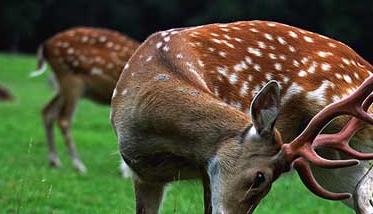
<point x="301" y="151"/>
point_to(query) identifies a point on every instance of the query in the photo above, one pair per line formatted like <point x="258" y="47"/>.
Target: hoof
<point x="55" y="162"/>
<point x="78" y="165"/>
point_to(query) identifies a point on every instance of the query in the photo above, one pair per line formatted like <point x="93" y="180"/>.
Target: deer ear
<point x="265" y="108"/>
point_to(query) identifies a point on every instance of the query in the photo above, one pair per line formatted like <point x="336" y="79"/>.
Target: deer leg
<point x="50" y="113"/>
<point x="64" y="122"/>
<point x="206" y="194"/>
<point x="148" y="196"/>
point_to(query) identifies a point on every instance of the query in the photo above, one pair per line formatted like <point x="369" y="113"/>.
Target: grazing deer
<point x="87" y="63"/>
<point x="5" y="94"/>
<point x="196" y="103"/>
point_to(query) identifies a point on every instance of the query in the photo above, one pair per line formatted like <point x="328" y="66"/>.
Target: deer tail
<point x="42" y="64"/>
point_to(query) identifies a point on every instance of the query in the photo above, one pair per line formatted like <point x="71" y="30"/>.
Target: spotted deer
<point x="86" y="62"/>
<point x="222" y="102"/>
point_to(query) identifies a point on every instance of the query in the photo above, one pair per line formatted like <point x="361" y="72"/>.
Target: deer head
<point x="261" y="157"/>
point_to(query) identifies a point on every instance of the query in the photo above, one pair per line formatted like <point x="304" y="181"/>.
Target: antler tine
<point x="352" y="105"/>
<point x="340" y="140"/>
<point x="309" y="154"/>
<point x="305" y="173"/>
<point x="301" y="151"/>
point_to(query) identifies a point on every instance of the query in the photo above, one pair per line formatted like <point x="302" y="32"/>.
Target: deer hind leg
<point x="148" y="196"/>
<point x="71" y="98"/>
<point x="50" y="113"/>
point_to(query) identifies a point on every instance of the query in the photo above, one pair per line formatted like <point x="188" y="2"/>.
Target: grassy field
<point x="28" y="185"/>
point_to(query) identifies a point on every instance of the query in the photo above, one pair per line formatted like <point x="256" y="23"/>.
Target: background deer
<point x="181" y="110"/>
<point x="87" y="63"/>
<point x="5" y="95"/>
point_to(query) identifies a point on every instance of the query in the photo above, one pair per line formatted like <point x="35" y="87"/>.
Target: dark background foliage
<point x="26" y="23"/>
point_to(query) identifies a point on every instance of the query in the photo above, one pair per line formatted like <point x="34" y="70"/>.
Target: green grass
<point x="28" y="185"/>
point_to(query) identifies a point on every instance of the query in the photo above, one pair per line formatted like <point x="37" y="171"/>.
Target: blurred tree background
<point x="26" y="23"/>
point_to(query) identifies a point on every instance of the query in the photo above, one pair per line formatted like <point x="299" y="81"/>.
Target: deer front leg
<point x="363" y="195"/>
<point x="64" y="122"/>
<point x="50" y="114"/>
<point x="206" y="194"/>
<point x="148" y="196"/>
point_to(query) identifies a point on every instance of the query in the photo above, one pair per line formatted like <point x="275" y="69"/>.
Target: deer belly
<point x="99" y="91"/>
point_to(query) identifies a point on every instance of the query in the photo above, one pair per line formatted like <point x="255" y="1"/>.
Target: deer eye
<point x="259" y="179"/>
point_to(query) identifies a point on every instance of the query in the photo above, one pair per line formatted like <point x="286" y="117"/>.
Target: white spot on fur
<point x="324" y="54"/>
<point x="293" y="34"/>
<point x="332" y="45"/>
<point x="222" y="70"/>
<point x="268" y="76"/>
<point x="304" y="60"/>
<point x="211" y="49"/>
<point x="248" y="60"/>
<point x="254" y="51"/>
<point x="312" y="68"/>
<point x="302" y="73"/>
<point x="347" y="78"/>
<point x="102" y="39"/>
<point x="278" y="66"/>
<point x="325" y="67"/>
<point x="294" y="89"/>
<point x="281" y="40"/>
<point x="257" y="67"/>
<point x="149" y="58"/>
<point x="109" y="44"/>
<point x="346" y="61"/>
<point x="124" y="92"/>
<point x="216" y="41"/>
<point x="338" y="75"/>
<point x="84" y="39"/>
<point x="320" y="93"/>
<point x="200" y="63"/>
<point x="268" y="36"/>
<point x="233" y="78"/>
<point x="272" y="56"/>
<point x="308" y="39"/>
<point x="238" y="39"/>
<point x="244" y="88"/>
<point x="166" y="48"/>
<point x="240" y="66"/>
<point x="282" y="57"/>
<point x="262" y="45"/>
<point x="70" y="51"/>
<point x="159" y="44"/>
<point x="222" y="53"/>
